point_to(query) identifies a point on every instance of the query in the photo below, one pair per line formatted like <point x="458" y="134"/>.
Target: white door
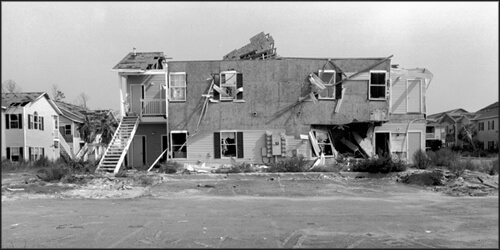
<point x="414" y="144"/>
<point x="414" y="101"/>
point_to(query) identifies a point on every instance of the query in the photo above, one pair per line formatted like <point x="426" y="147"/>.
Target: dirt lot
<point x="313" y="210"/>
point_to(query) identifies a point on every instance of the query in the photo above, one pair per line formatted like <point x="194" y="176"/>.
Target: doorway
<point x="382" y="147"/>
<point x="138" y="151"/>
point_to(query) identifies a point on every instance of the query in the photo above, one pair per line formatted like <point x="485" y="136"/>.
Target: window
<point x="56" y="144"/>
<point x="179" y="144"/>
<point x="491" y="145"/>
<point x="14" y="121"/>
<point x="35" y="153"/>
<point x="228" y="86"/>
<point x="377" y="85"/>
<point x="228" y="144"/>
<point x="56" y="122"/>
<point x="35" y="121"/>
<point x="481" y="126"/>
<point x="328" y="78"/>
<point x="177" y="86"/>
<point x="14" y="153"/>
<point x="429" y="129"/>
<point x="67" y="129"/>
<point x="323" y="141"/>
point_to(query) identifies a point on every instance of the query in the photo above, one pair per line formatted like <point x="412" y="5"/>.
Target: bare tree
<point x="82" y="100"/>
<point x="57" y="94"/>
<point x="10" y="86"/>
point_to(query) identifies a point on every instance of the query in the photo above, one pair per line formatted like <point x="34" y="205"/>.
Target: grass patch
<point x="421" y="159"/>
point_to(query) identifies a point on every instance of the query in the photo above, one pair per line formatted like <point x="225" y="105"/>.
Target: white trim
<point x="185" y="85"/>
<point x="235" y="142"/>
<point x="369" y="85"/>
<point x="420" y="97"/>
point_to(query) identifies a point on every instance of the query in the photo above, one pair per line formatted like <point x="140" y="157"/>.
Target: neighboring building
<point x="70" y="123"/>
<point x="4" y="108"/>
<point x="435" y="135"/>
<point x="486" y="121"/>
<point x="452" y="121"/>
<point x="259" y="111"/>
<point x="30" y="128"/>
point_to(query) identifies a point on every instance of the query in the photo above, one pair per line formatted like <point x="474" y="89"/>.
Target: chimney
<point x="134" y="52"/>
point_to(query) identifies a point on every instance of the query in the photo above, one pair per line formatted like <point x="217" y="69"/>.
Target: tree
<point x="10" y="86"/>
<point x="57" y="94"/>
<point x="88" y="130"/>
<point x="82" y="100"/>
<point x="467" y="134"/>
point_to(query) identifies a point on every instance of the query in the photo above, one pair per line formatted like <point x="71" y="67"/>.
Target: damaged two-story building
<point x="262" y="110"/>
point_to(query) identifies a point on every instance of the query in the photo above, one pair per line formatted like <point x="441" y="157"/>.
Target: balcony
<point x="431" y="136"/>
<point x="153" y="107"/>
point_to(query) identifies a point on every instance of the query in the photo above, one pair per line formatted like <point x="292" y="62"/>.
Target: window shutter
<point x="21" y="153"/>
<point x="29" y="122"/>
<point x="338" y="87"/>
<point x="239" y="84"/>
<point x="30" y="152"/>
<point x="216" y="145"/>
<point x="216" y="82"/>
<point x="20" y="118"/>
<point x="43" y="152"/>
<point x="8" y="152"/>
<point x="239" y="144"/>
<point x="41" y="126"/>
<point x="7" y="121"/>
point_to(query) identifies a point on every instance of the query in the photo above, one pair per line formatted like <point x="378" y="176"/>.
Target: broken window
<point x="179" y="144"/>
<point x="228" y="86"/>
<point x="228" y="144"/>
<point x="13" y="121"/>
<point x="377" y="85"/>
<point x="177" y="86"/>
<point x="322" y="143"/>
<point x="328" y="78"/>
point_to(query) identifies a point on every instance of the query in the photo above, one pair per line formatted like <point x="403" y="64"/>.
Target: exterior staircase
<point x="115" y="153"/>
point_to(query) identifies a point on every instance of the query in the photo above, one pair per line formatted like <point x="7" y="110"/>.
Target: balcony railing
<point x="430" y="135"/>
<point x="153" y="107"/>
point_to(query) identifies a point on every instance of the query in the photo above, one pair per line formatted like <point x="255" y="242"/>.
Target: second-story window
<point x="228" y="86"/>
<point x="177" y="86"/>
<point x="67" y="129"/>
<point x="13" y="121"/>
<point x="377" y="85"/>
<point x="480" y="126"/>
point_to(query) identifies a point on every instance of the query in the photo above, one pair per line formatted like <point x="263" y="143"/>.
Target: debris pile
<point x="261" y="46"/>
<point x="470" y="183"/>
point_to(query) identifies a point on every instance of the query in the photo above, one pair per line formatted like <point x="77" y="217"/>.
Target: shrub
<point x="170" y="167"/>
<point x="43" y="162"/>
<point x="421" y="159"/>
<point x="458" y="168"/>
<point x="328" y="168"/>
<point x="444" y="157"/>
<point x="121" y="173"/>
<point x="380" y="165"/>
<point x="290" y="164"/>
<point x="53" y="173"/>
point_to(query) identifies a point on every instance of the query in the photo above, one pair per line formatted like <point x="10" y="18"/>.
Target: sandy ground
<point x="315" y="210"/>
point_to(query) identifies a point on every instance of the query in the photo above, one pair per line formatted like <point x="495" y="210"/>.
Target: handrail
<point x="65" y="146"/>
<point x="125" y="150"/>
<point x="111" y="142"/>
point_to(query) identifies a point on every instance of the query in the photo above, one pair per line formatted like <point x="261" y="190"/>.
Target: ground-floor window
<point x="321" y="142"/>
<point x="228" y="144"/>
<point x="179" y="144"/>
<point x="491" y="145"/>
<point x="36" y="153"/>
<point x="14" y="153"/>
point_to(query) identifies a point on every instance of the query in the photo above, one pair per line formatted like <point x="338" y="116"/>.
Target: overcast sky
<point x="75" y="44"/>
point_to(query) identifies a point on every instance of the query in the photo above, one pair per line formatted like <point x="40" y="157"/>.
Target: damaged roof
<point x="452" y="112"/>
<point x="24" y="98"/>
<point x="72" y="112"/>
<point x="141" y="61"/>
